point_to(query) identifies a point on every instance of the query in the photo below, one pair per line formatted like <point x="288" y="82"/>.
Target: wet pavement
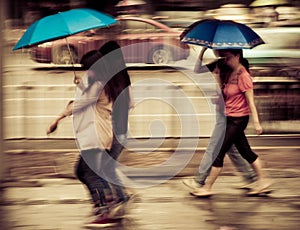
<point x="35" y="199"/>
<point x="61" y="203"/>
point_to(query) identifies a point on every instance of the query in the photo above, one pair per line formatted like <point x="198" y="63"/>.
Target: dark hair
<point x="94" y="61"/>
<point x="113" y="55"/>
<point x="223" y="68"/>
<point x="90" y="58"/>
<point x="243" y="60"/>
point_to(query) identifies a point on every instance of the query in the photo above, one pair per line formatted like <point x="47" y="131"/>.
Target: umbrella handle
<point x="71" y="56"/>
<point x="200" y="59"/>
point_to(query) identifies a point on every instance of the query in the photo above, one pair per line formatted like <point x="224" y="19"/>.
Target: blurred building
<point x="236" y="12"/>
<point x="20" y="12"/>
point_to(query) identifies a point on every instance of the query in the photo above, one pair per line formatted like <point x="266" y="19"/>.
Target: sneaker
<point x="118" y="211"/>
<point x="100" y="210"/>
<point x="118" y="208"/>
<point x="102" y="220"/>
<point x="191" y="183"/>
<point x="122" y="201"/>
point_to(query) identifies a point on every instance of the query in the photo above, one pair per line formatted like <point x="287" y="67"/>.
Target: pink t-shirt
<point x="236" y="104"/>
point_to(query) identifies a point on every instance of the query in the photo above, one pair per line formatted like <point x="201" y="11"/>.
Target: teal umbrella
<point x="62" y="25"/>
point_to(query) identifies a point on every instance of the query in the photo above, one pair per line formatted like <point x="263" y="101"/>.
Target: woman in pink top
<point x="239" y="103"/>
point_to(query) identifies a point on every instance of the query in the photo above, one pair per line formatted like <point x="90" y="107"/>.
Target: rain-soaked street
<point x="42" y="192"/>
<point x="64" y="204"/>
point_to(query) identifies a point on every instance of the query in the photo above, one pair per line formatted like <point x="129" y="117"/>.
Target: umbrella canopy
<point x="62" y="25"/>
<point x="221" y="34"/>
<point x="258" y="3"/>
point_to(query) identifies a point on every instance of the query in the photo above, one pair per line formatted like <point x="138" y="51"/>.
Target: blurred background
<point x="37" y="83"/>
<point x="274" y="65"/>
<point x="23" y="13"/>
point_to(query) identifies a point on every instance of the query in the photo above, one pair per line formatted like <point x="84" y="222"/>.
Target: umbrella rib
<point x="66" y="23"/>
<point x="213" y="39"/>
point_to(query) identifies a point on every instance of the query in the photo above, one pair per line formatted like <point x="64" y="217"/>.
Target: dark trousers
<point x="110" y="162"/>
<point x="87" y="171"/>
<point x="234" y="134"/>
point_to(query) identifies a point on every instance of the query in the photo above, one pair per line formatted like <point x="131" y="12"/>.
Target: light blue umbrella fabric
<point x="221" y="34"/>
<point x="63" y="24"/>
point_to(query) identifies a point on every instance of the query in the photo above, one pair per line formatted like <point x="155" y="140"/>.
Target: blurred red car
<point x="142" y="41"/>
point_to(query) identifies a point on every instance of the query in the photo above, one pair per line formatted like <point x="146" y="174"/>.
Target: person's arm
<point x="67" y="112"/>
<point x="198" y="64"/>
<point x="250" y="99"/>
<point x="217" y="75"/>
<point x="88" y="97"/>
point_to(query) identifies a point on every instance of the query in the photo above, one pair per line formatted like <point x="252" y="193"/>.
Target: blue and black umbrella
<point x="221" y="34"/>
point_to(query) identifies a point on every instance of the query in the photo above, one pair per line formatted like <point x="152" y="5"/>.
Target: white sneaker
<point x="191" y="183"/>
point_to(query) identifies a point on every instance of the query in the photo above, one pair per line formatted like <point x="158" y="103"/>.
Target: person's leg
<point x="263" y="182"/>
<point x="212" y="149"/>
<point x="79" y="170"/>
<point x="230" y="134"/>
<point x="101" y="211"/>
<point x="200" y="177"/>
<point x="242" y="165"/>
<point x="91" y="175"/>
<point x="213" y="175"/>
<point x="258" y="169"/>
<point x="110" y="164"/>
<point x="239" y="162"/>
<point x="245" y="150"/>
<point x="82" y="171"/>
